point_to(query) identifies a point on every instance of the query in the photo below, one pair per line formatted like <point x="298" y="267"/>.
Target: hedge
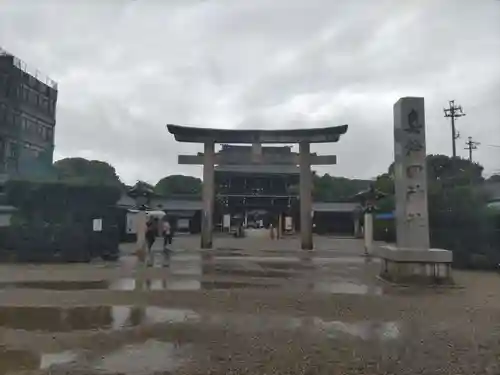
<point x="54" y="221"/>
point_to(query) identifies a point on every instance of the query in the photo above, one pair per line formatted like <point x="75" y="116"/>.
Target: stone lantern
<point x="368" y="200"/>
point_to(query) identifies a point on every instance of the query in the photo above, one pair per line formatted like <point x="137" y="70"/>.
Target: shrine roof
<point x="258" y="168"/>
<point x="245" y="136"/>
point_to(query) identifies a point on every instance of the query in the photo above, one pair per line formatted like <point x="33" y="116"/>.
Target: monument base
<point x="413" y="266"/>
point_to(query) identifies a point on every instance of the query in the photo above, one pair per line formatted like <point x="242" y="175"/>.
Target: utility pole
<point x="471" y="146"/>
<point x="454" y="112"/>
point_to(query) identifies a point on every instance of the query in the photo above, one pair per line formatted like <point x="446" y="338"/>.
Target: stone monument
<point x="412" y="260"/>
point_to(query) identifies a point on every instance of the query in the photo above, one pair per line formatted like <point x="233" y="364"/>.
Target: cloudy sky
<point x="126" y="68"/>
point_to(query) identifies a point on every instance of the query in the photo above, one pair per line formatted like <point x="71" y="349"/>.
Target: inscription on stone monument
<point x="410" y="177"/>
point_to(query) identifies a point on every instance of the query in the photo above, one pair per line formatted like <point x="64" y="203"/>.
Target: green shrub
<point x="460" y="221"/>
<point x="57" y="202"/>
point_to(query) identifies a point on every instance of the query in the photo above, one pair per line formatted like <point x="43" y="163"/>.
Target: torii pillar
<point x="208" y="195"/>
<point x="305" y="196"/>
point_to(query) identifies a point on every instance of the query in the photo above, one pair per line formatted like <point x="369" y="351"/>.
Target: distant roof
<point x="286" y="150"/>
<point x="176" y="204"/>
<point x="258" y="168"/>
<point x="245" y="136"/>
<point x="334" y="206"/>
<point x="494" y="205"/>
<point x="493" y="190"/>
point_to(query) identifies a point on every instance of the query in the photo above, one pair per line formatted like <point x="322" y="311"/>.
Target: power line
<point x="471" y="146"/>
<point x="454" y="112"/>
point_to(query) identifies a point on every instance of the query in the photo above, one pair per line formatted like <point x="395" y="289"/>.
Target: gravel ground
<point x="272" y="323"/>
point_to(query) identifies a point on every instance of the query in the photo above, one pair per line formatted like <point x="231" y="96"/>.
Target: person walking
<point x="151" y="234"/>
<point x="167" y="234"/>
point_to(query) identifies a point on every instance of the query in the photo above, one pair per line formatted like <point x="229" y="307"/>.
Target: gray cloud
<point x="126" y="68"/>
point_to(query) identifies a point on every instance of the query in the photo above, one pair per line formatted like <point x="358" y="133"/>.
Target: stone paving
<point x="249" y="306"/>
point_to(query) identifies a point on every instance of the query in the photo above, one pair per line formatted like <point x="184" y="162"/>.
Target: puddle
<point x="294" y="266"/>
<point x="365" y="330"/>
<point x="230" y="252"/>
<point x="340" y="260"/>
<point x="50" y="359"/>
<point x="56" y="285"/>
<point x="55" y="319"/>
<point x="121" y="317"/>
<point x="249" y="272"/>
<point x="225" y="285"/>
<point x="146" y="358"/>
<point x="181" y="285"/>
<point x="346" y="288"/>
<point x="130" y="284"/>
<point x="13" y="360"/>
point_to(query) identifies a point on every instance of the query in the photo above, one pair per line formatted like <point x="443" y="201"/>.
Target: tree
<point x="494" y="178"/>
<point x="459" y="219"/>
<point x="456" y="171"/>
<point x="331" y="189"/>
<point x="178" y="185"/>
<point x="443" y="172"/>
<point x="58" y="202"/>
<point x="83" y="171"/>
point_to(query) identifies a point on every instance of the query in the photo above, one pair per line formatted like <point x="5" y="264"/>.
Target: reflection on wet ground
<point x="56" y="319"/>
<point x="57" y="285"/>
<point x="181" y="285"/>
<point x="131" y="284"/>
<point x="149" y="357"/>
<point x="122" y="317"/>
<point x="365" y="330"/>
<point x="227" y="269"/>
<point x="343" y="287"/>
<point x="195" y="272"/>
<point x="23" y="360"/>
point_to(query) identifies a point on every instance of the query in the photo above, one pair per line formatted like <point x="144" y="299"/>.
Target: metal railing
<point x="23" y="66"/>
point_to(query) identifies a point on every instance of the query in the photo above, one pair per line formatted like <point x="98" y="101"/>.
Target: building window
<point x="32" y="97"/>
<point x="32" y="81"/>
<point x="52" y="107"/>
<point x="44" y="103"/>
<point x="13" y="150"/>
<point x="17" y="120"/>
<point x="3" y="112"/>
<point x="10" y="119"/>
<point x="29" y="125"/>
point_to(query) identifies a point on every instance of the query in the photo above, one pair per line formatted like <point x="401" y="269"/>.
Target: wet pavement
<point x="225" y="309"/>
<point x="131" y="284"/>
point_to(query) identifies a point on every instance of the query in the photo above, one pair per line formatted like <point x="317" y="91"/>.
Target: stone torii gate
<point x="304" y="137"/>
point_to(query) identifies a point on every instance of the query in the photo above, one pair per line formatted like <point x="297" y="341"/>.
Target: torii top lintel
<point x="244" y="136"/>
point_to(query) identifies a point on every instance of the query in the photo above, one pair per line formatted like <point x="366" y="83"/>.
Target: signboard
<point x="226" y="221"/>
<point x="97" y="225"/>
<point x="183" y="224"/>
